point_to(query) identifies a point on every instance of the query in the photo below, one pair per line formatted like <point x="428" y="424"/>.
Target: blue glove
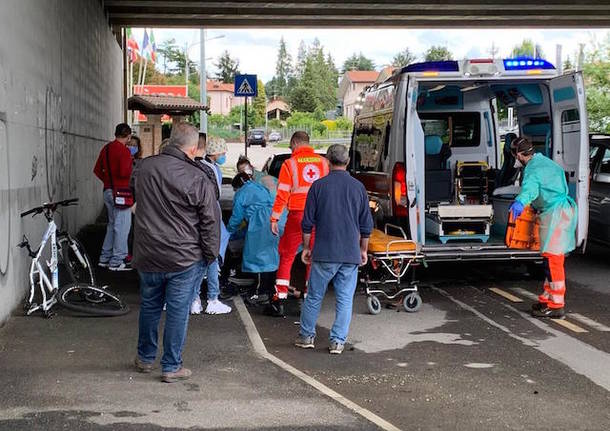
<point x="516" y="209"/>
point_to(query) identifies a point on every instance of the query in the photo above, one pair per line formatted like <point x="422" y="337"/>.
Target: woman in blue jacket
<point x="252" y="205"/>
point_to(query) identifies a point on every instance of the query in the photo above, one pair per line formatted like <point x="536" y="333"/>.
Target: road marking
<point x="525" y="293"/>
<point x="589" y="322"/>
<point x="260" y="349"/>
<point x="569" y="325"/>
<point x="505" y="294"/>
<point x="581" y="357"/>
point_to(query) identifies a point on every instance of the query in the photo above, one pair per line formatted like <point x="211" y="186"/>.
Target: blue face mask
<point x="222" y="159"/>
<point x="133" y="150"/>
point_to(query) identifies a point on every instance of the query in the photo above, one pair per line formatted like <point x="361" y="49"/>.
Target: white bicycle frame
<point x="48" y="288"/>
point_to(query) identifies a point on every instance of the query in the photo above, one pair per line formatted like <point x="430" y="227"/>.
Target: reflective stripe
<point x="282" y="295"/>
<point x="283" y="187"/>
<point x="294" y="173"/>
<point x="280" y="282"/>
<point x="304" y="190"/>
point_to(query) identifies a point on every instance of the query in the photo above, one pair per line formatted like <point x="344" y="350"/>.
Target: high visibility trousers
<point x="289" y="245"/>
<point x="555" y="282"/>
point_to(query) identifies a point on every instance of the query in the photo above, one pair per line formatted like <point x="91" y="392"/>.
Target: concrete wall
<point x="60" y="97"/>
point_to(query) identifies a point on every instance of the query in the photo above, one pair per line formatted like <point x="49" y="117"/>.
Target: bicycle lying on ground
<point x="80" y="293"/>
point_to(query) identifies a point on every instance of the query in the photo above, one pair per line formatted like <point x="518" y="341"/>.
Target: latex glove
<point x="516" y="209"/>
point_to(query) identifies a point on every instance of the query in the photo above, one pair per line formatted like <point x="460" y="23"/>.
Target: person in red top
<point x="296" y="177"/>
<point x="113" y="168"/>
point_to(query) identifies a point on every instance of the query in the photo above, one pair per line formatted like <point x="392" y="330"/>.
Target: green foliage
<point x="301" y="119"/>
<point x="344" y="123"/>
<point x="259" y="105"/>
<point x="279" y="85"/>
<point x="172" y="59"/>
<point x="597" y="82"/>
<point x="527" y="49"/>
<point x="358" y="62"/>
<point x="227" y="67"/>
<point x="274" y="124"/>
<point x="438" y="53"/>
<point x="404" y="58"/>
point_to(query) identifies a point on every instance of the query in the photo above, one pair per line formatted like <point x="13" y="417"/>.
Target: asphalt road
<point x="471" y="358"/>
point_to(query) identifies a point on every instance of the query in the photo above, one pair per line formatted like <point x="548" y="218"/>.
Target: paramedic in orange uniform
<point x="296" y="177"/>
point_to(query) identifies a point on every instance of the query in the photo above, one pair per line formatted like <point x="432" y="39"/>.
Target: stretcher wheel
<point x="374" y="304"/>
<point x="412" y="302"/>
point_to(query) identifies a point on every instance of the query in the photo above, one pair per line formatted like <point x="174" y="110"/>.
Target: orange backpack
<point x="524" y="233"/>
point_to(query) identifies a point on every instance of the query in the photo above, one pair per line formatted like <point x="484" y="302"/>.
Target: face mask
<point x="249" y="170"/>
<point x="133" y="150"/>
<point x="517" y="164"/>
<point x="222" y="159"/>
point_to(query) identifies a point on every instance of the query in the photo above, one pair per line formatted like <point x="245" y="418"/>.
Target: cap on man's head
<point x="216" y="146"/>
<point x="523" y="146"/>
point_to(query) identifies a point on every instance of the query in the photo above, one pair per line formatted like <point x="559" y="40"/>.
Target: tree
<point x="174" y="59"/>
<point x="259" y="105"/>
<point x="299" y="66"/>
<point x="438" y="53"/>
<point x="227" y="67"/>
<point x="527" y="49"/>
<point x="283" y="71"/>
<point x="404" y="58"/>
<point x="358" y="62"/>
<point x="597" y="82"/>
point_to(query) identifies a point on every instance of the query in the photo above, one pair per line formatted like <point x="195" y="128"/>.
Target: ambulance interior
<point x="470" y="177"/>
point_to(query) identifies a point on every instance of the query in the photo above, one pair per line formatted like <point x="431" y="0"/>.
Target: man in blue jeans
<point x="338" y="208"/>
<point x="113" y="168"/>
<point x="177" y="232"/>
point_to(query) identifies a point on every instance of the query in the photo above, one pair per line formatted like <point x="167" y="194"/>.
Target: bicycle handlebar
<point x="52" y="206"/>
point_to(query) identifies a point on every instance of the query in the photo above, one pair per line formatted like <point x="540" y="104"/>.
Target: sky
<point x="256" y="49"/>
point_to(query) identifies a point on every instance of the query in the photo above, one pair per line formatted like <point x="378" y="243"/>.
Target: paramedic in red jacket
<point x="296" y="177"/>
<point x="115" y="160"/>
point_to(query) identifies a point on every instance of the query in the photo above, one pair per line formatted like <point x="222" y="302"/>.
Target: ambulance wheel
<point x="374" y="304"/>
<point x="412" y="302"/>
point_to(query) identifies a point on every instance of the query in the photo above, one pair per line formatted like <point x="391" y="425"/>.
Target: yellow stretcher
<point x="390" y="257"/>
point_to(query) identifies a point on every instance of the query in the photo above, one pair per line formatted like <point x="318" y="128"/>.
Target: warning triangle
<point x="245" y="88"/>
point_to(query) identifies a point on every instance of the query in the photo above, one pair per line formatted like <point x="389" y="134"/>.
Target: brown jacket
<point x="177" y="219"/>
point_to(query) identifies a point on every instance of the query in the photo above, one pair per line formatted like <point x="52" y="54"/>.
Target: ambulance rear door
<point x="571" y="142"/>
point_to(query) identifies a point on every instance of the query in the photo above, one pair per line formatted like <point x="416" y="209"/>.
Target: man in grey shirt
<point x="177" y="233"/>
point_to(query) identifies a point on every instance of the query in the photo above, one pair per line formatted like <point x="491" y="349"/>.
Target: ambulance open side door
<point x="415" y="170"/>
<point x="571" y="142"/>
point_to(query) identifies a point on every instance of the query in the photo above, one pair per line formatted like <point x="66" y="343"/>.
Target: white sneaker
<point x="217" y="307"/>
<point x="196" y="307"/>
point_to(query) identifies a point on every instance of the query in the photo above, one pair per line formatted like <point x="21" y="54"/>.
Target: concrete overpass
<point x="62" y="85"/>
<point x="359" y="13"/>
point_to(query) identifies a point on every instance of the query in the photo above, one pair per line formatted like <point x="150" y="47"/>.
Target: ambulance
<point x="428" y="147"/>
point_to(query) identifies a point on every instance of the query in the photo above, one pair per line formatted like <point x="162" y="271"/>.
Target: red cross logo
<point x="311" y="173"/>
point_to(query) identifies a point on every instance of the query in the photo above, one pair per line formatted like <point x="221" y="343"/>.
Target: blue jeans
<point x="114" y="250"/>
<point x="213" y="273"/>
<point x="176" y="290"/>
<point x="344" y="277"/>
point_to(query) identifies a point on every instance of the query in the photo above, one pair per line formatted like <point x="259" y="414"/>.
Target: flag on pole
<point x="153" y="47"/>
<point x="145" y="45"/>
<point x="132" y="46"/>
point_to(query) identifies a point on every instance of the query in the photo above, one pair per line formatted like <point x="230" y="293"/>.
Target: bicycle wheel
<point x="91" y="300"/>
<point x="79" y="272"/>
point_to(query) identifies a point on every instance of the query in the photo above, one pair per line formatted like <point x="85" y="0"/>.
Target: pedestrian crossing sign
<point x="245" y="86"/>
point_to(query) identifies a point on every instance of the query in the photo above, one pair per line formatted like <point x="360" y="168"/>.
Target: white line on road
<point x="589" y="322"/>
<point x="259" y="348"/>
<point x="569" y="325"/>
<point x="581" y="357"/>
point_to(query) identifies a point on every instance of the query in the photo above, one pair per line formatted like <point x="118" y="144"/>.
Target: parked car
<point x="599" y="195"/>
<point x="275" y="137"/>
<point x="257" y="137"/>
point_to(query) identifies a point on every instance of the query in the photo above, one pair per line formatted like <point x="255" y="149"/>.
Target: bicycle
<point x="81" y="294"/>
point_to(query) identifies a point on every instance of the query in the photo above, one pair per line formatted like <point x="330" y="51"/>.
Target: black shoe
<point x="275" y="309"/>
<point x="553" y="313"/>
<point x="537" y="306"/>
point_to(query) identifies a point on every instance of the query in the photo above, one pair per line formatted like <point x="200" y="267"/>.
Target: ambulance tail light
<point x="399" y="191"/>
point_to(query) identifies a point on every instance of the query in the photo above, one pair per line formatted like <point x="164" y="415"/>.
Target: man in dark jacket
<point x="113" y="168"/>
<point x="338" y="208"/>
<point x="177" y="233"/>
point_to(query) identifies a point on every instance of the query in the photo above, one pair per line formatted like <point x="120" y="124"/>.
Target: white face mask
<point x="248" y="170"/>
<point x="517" y="164"/>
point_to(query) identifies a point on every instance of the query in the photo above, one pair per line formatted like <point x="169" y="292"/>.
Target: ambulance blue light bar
<point x="433" y="66"/>
<point x="527" y="64"/>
